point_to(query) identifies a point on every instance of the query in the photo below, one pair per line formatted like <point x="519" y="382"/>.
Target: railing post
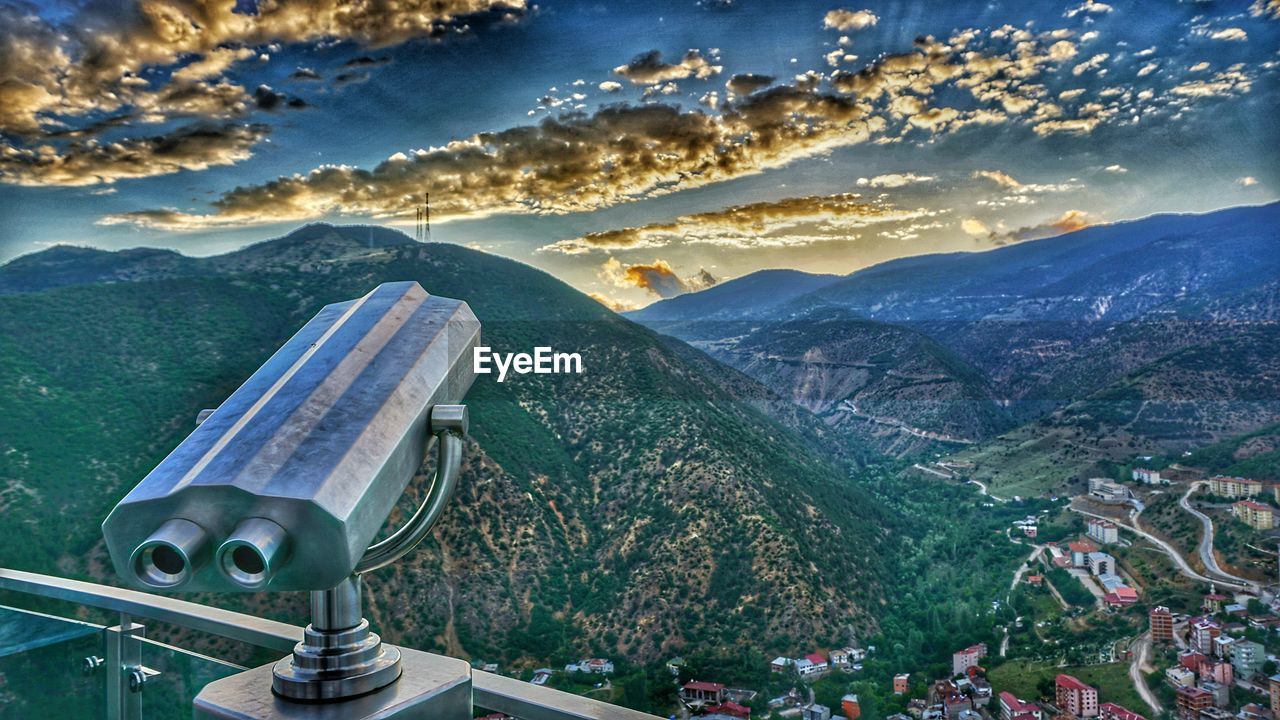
<point x="124" y="657"/>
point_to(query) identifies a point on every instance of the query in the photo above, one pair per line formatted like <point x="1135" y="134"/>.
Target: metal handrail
<point x="223" y="623"/>
<point x="489" y="691"/>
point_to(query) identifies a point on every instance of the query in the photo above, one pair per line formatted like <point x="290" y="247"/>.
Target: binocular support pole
<point x="339" y="657"/>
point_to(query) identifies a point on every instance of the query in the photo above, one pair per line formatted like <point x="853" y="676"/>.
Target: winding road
<point x="1141" y="649"/>
<point x="1183" y="566"/>
<point x="1206" y="540"/>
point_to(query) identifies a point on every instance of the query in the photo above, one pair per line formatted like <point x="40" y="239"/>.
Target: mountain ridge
<point x="645" y="506"/>
<point x="1042" y="323"/>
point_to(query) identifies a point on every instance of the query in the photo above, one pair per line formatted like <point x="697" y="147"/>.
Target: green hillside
<point x="651" y="504"/>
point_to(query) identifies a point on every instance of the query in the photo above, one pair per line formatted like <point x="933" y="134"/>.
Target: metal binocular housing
<point x="286" y="484"/>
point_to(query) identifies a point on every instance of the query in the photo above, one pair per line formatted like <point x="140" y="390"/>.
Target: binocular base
<point x="336" y="664"/>
<point x="430" y="686"/>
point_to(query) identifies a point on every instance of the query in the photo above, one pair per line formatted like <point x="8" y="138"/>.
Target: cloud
<point x="366" y="61"/>
<point x="1266" y="8"/>
<point x="747" y="83"/>
<point x="304" y="73"/>
<point x="999" y="177"/>
<point x="1116" y="169"/>
<point x="106" y="65"/>
<point x="849" y="20"/>
<point x="91" y="61"/>
<point x="582" y="161"/>
<point x="1092" y="63"/>
<point x="1073" y="126"/>
<point x="1091" y="7"/>
<point x="1247" y="181"/>
<point x="610" y="86"/>
<point x="1232" y="34"/>
<point x="193" y="147"/>
<point x="775" y="223"/>
<point x="614" y="304"/>
<point x="1229" y="82"/>
<point x="1008" y="182"/>
<point x="974" y="226"/>
<point x="893" y="180"/>
<point x="649" y="69"/>
<point x="213" y="64"/>
<point x="1068" y="222"/>
<point x="657" y="277"/>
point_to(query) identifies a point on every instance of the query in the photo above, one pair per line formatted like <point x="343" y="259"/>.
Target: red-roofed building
<point x="1191" y="700"/>
<point x="818" y="664"/>
<point x="1254" y="514"/>
<point x="1112" y="711"/>
<point x="1192" y="660"/>
<point x="1012" y="708"/>
<point x="699" y="692"/>
<point x="1075" y="697"/>
<point x="1122" y="595"/>
<point x="1080" y="549"/>
<point x="962" y="660"/>
<point x="1035" y="580"/>
<point x="728" y="707"/>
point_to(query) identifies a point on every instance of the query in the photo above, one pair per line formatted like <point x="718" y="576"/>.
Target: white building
<point x="1178" y="676"/>
<point x="1100" y="563"/>
<point x="591" y="665"/>
<point x="1104" y="531"/>
<point x="1107" y="492"/>
<point x="1150" y="477"/>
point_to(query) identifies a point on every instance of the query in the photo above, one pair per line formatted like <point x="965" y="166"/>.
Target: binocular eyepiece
<point x="289" y="480"/>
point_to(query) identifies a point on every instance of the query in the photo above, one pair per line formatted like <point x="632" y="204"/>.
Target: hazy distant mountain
<point x="656" y="502"/>
<point x="754" y="295"/>
<point x="1039" y="325"/>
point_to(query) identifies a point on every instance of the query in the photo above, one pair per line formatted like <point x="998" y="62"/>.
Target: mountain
<point x="656" y="502"/>
<point x="891" y="386"/>
<point x="64" y="265"/>
<point x="1195" y="397"/>
<point x="754" y="295"/>
<point x="1028" y="329"/>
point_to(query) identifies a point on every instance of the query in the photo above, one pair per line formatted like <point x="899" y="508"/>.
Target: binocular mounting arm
<point x="448" y="423"/>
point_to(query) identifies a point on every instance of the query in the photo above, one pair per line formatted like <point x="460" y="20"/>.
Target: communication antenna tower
<point x="423" y="231"/>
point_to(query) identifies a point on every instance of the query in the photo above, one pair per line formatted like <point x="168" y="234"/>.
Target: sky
<point x="636" y="150"/>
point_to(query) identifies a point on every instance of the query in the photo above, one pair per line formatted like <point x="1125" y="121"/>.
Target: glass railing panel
<point x="44" y="669"/>
<point x="182" y="673"/>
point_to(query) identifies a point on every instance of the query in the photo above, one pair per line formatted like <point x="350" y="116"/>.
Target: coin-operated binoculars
<point x="285" y="485"/>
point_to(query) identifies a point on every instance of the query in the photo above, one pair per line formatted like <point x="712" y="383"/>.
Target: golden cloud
<point x="1068" y="222"/>
<point x="92" y="63"/>
<point x="194" y="147"/>
<point x="847" y="20"/>
<point x="614" y="304"/>
<point x="576" y="161"/>
<point x="747" y="83"/>
<point x="1266" y="8"/>
<point x="657" y="277"/>
<point x="649" y="69"/>
<point x="778" y="223"/>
